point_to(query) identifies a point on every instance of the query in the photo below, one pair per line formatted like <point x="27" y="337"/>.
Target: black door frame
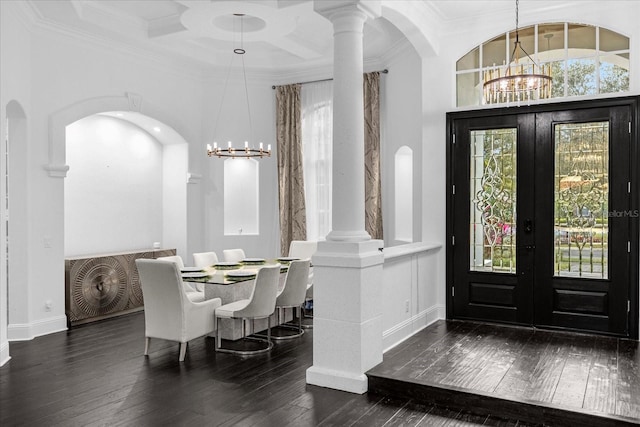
<point x="632" y="102"/>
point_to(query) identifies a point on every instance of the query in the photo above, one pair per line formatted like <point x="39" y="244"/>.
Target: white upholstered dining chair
<point x="293" y="295"/>
<point x="304" y="249"/>
<point x="233" y="255"/>
<point x="168" y="313"/>
<point x="204" y="259"/>
<point x="194" y="292"/>
<point x="261" y="304"/>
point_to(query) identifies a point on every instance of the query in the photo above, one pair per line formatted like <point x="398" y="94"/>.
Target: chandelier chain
<point x="230" y="150"/>
<point x="224" y="94"/>
<point x="517" y="3"/>
<point x="244" y="74"/>
<point x="519" y="81"/>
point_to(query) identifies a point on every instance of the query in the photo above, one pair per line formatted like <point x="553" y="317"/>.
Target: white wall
<point x="113" y="190"/>
<point x="49" y="71"/>
<point x="400" y="112"/>
<point x="175" y="201"/>
<point x="15" y="61"/>
<point x="409" y="291"/>
<point x="233" y="125"/>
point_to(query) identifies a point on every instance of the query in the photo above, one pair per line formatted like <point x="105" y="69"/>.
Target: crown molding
<point x="24" y="11"/>
<point x="402" y="48"/>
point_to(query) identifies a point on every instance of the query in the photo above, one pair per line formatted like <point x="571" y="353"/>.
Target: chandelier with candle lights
<point x="518" y="80"/>
<point x="229" y="150"/>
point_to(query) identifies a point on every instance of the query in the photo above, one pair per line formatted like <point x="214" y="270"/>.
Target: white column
<point x="347" y="296"/>
<point x="348" y="219"/>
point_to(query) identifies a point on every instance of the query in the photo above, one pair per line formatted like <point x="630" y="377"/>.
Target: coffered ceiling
<point x="278" y="35"/>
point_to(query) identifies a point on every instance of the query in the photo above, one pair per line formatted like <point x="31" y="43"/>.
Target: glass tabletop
<point x="228" y="275"/>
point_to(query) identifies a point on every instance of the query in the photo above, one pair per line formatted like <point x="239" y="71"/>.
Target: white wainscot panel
<point x="410" y="288"/>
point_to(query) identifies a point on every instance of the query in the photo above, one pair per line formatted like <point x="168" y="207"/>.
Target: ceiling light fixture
<point x="518" y="81"/>
<point x="230" y="151"/>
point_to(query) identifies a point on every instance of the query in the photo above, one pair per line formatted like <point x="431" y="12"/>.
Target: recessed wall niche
<point x="241" y="197"/>
<point x="114" y="187"/>
<point x="403" y="162"/>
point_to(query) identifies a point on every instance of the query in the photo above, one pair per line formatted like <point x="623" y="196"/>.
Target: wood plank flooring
<point x="96" y="375"/>
<point x="553" y="378"/>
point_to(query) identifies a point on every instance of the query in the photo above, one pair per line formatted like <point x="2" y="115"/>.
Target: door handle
<point x="528" y="225"/>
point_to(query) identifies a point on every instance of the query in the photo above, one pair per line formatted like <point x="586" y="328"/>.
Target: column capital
<point x="331" y="8"/>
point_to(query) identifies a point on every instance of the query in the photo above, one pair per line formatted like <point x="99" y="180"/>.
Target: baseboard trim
<point x="403" y="330"/>
<point x="345" y="381"/>
<point x="4" y="353"/>
<point x="29" y="331"/>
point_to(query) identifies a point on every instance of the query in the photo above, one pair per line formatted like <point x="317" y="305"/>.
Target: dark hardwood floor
<point x="552" y="378"/>
<point x="96" y="375"/>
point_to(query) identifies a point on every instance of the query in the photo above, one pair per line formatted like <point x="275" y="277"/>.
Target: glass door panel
<point x="581" y="200"/>
<point x="493" y="199"/>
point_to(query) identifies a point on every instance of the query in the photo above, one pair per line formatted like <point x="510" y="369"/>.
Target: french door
<point x="542" y="217"/>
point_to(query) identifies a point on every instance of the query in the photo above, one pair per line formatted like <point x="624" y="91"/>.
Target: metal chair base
<point x="218" y="341"/>
<point x="247" y="352"/>
<point x="299" y="331"/>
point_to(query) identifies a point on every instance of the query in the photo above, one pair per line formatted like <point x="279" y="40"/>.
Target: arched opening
<point x="125" y="189"/>
<point x="13" y="192"/>
<point x="174" y="183"/>
<point x="16" y="135"/>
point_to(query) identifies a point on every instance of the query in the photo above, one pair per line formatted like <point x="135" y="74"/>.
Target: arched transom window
<point x="584" y="60"/>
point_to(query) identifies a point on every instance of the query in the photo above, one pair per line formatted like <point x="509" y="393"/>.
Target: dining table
<point x="234" y="281"/>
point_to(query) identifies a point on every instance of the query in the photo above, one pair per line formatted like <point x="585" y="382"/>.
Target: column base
<point x="348" y="236"/>
<point x="345" y="381"/>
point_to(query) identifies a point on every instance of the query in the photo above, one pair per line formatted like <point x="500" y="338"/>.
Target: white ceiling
<point x="279" y="35"/>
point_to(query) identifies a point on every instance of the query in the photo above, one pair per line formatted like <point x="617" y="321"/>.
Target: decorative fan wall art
<point x="104" y="286"/>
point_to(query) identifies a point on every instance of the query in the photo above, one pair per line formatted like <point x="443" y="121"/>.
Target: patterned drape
<point x="372" y="182"/>
<point x="290" y="176"/>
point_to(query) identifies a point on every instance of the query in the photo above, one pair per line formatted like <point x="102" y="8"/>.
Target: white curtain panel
<point x="317" y="134"/>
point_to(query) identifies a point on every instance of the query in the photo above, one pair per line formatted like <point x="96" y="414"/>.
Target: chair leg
<point x="183" y="351"/>
<point x="215" y="328"/>
<point x="269" y="331"/>
<point x="146" y="345"/>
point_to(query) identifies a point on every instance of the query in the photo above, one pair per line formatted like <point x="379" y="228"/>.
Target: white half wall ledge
<point x="391" y="252"/>
<point x="337" y="380"/>
<point x="4" y="353"/>
<point x="194" y="178"/>
<point x="29" y="331"/>
<point x="57" y="171"/>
